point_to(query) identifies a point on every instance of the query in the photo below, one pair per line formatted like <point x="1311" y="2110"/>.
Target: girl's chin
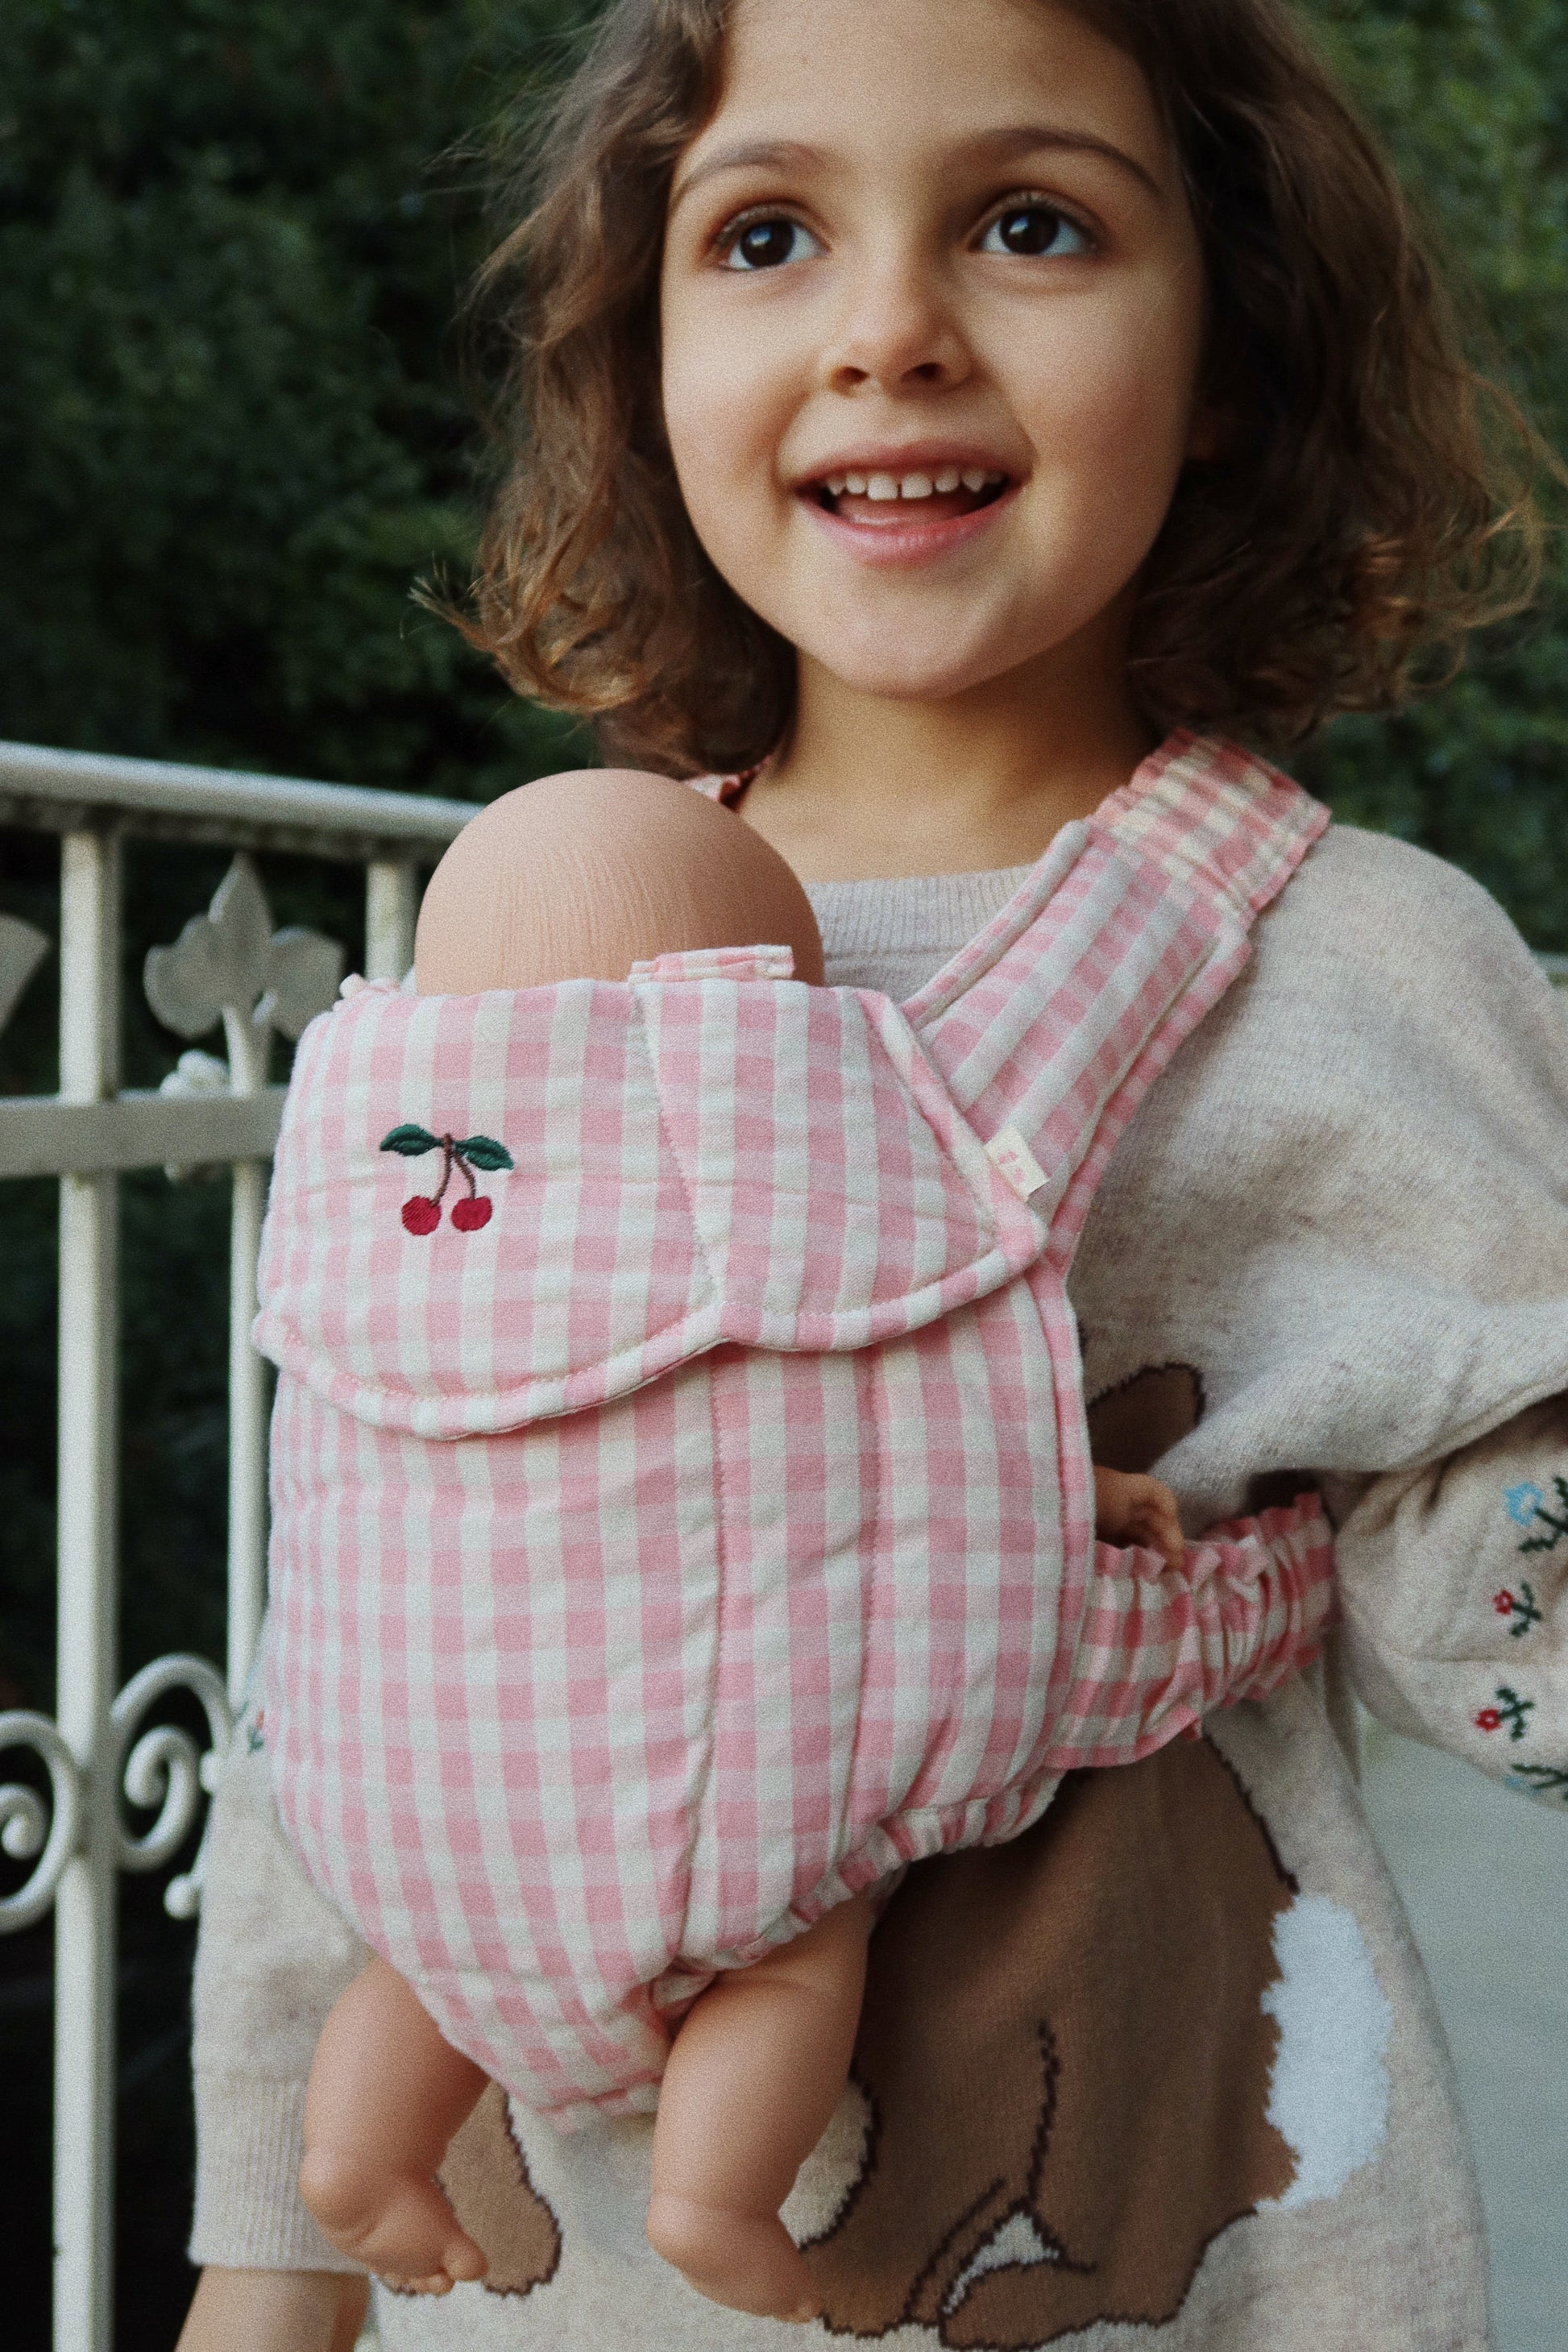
<point x="906" y="673"/>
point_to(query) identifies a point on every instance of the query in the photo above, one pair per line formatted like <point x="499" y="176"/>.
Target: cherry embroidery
<point x="422" y="1214"/>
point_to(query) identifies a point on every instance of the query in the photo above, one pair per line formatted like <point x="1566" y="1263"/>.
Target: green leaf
<point x="411" y="1141"/>
<point x="484" y="1151"/>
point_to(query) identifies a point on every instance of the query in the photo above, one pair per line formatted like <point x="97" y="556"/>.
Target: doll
<point x="587" y="876"/>
<point x="1033" y="383"/>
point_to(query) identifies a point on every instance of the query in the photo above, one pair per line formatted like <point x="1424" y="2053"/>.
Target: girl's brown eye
<point x="769" y="245"/>
<point x="1034" y="230"/>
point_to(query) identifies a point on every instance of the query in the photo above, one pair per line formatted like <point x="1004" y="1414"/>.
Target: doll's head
<point x="1300" y="493"/>
<point x="581" y="875"/>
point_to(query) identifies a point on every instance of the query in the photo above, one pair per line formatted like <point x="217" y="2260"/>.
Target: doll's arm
<point x="1131" y="1508"/>
<point x="1454" y="1580"/>
<point x="271" y="1961"/>
<point x="1163" y="1642"/>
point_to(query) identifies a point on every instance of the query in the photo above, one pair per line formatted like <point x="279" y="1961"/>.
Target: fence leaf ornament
<point x="22" y="950"/>
<point x="230" y="965"/>
<point x="302" y="975"/>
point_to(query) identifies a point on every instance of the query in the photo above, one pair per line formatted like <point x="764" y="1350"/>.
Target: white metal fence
<point x="228" y="965"/>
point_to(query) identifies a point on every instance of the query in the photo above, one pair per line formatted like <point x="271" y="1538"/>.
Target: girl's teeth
<point x="884" y="487"/>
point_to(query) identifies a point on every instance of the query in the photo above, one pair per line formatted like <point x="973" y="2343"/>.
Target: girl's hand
<point x="275" y="2311"/>
<point x="1132" y="1509"/>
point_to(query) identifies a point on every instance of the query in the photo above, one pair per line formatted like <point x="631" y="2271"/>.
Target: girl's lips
<point x="905" y="530"/>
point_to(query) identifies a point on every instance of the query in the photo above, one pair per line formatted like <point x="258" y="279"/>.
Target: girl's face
<point x="933" y="315"/>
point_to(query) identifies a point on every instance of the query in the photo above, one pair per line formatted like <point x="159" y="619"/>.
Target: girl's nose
<point x="896" y="332"/>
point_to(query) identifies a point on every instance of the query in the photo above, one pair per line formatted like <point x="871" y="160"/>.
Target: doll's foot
<point x="396" y="2224"/>
<point x="746" y="2261"/>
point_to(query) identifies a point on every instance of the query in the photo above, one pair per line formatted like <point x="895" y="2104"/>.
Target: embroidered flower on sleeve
<point x="1526" y="1505"/>
<point x="1522" y="1503"/>
<point x="1507" y="1708"/>
<point x="1521" y="1608"/>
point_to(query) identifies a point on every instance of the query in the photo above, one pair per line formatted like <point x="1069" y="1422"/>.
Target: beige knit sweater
<point x="1165" y="2072"/>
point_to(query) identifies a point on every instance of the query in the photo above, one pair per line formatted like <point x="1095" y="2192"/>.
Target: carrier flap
<point x="487" y="1209"/>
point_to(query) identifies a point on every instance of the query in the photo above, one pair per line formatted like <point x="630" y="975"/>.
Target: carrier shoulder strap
<point x="1050" y="1025"/>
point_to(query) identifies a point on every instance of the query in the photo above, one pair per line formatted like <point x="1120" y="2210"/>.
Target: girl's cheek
<point x="1125" y="396"/>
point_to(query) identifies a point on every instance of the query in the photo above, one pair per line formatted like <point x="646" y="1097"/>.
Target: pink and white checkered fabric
<point x="710" y="1533"/>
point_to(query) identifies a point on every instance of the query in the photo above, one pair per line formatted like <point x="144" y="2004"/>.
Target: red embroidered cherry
<point x="1503" y="1603"/>
<point x="423" y="1214"/>
<point x="1489" y="1719"/>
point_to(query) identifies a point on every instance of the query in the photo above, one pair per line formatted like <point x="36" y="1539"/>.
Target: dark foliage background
<point x="232" y="432"/>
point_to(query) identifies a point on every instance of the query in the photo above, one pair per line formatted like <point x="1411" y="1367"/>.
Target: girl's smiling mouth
<point x="902" y="508"/>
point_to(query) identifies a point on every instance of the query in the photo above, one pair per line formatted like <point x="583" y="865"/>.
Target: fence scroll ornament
<point x="161" y="1767"/>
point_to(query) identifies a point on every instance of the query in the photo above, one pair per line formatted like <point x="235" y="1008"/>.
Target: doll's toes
<point x="464" y="2260"/>
<point x="437" y="2283"/>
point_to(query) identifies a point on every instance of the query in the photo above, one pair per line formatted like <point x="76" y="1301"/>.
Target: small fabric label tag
<point x="717" y="963"/>
<point x="1012" y="1157"/>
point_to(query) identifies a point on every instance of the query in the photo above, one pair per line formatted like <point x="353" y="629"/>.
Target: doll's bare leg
<point x="755" y="2073"/>
<point x="386" y="2093"/>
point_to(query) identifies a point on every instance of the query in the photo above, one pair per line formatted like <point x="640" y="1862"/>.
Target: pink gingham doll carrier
<point x="702" y="1529"/>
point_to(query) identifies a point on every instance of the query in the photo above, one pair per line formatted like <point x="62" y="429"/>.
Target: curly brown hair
<point x="1372" y="506"/>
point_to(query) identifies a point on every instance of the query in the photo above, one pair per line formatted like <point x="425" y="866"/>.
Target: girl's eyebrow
<point x="1001" y="146"/>
<point x="745" y="155"/>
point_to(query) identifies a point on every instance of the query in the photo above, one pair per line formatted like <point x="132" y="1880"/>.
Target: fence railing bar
<point x="391" y="906"/>
<point x="88" y="1639"/>
<point x="42" y="1136"/>
<point x="248" y="1051"/>
<point x="47" y="787"/>
<point x="246" y="1432"/>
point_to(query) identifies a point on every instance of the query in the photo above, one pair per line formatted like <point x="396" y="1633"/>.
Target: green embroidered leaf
<point x="411" y="1141"/>
<point x="484" y="1151"/>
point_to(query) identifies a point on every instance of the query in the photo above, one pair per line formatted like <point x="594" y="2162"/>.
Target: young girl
<point x="936" y="405"/>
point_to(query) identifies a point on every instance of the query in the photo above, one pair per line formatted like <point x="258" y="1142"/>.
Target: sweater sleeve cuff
<point x="250" y="2215"/>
